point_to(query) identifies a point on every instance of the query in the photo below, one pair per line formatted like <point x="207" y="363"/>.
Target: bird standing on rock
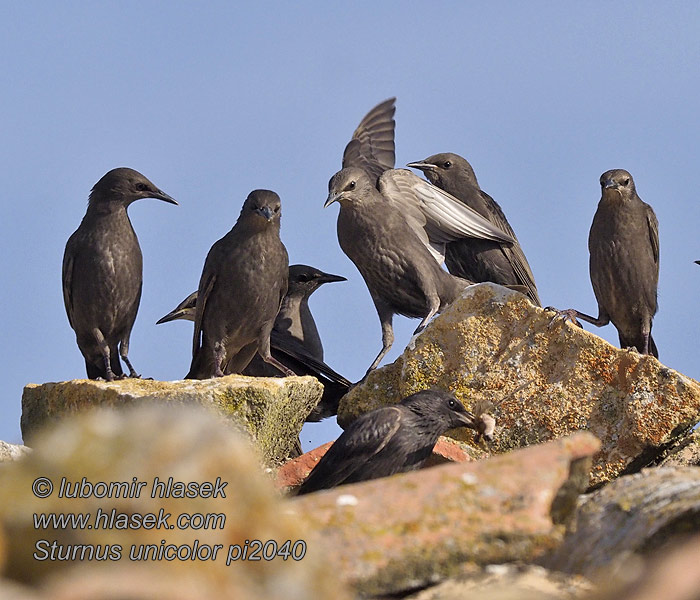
<point x="240" y="292"/>
<point x="102" y="273"/>
<point x="294" y="340"/>
<point x="624" y="262"/>
<point x="388" y="440"/>
<point x="479" y="259"/>
<point x="400" y="272"/>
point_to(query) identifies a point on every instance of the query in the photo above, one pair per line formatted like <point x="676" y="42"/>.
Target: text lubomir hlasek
<point x="167" y="488"/>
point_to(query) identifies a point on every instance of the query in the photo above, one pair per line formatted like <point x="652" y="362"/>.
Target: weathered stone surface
<point x="188" y="444"/>
<point x="635" y="514"/>
<point x="11" y="451"/>
<point x="291" y="474"/>
<point x="408" y="530"/>
<point x="671" y="575"/>
<point x="685" y="453"/>
<point x="272" y="410"/>
<point x="510" y="582"/>
<point x="547" y="379"/>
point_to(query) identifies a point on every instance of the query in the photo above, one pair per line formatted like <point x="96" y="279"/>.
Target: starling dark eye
<point x="141" y="187"/>
<point x="451" y="404"/>
<point x="626" y="182"/>
<point x="447" y="164"/>
<point x="351" y="185"/>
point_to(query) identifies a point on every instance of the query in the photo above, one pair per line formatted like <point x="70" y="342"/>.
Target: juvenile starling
<point x="102" y="273"/>
<point x="400" y="272"/>
<point x="479" y="259"/>
<point x="388" y="440"/>
<point x="240" y="292"/>
<point x="624" y="262"/>
<point x="294" y="340"/>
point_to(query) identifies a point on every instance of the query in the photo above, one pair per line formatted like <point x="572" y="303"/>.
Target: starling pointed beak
<point x="423" y="166"/>
<point x="610" y="184"/>
<point x="331" y="199"/>
<point x="265" y="212"/>
<point x="161" y="195"/>
<point x="330" y="278"/>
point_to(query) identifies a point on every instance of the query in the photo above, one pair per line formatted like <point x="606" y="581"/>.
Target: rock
<point x="12" y="451"/>
<point x="394" y="534"/>
<point x="136" y="445"/>
<point x="671" y="575"/>
<point x="291" y="474"/>
<point x="509" y="582"/>
<point x="686" y="452"/>
<point x="271" y="409"/>
<point x="547" y="379"/>
<point x="634" y="515"/>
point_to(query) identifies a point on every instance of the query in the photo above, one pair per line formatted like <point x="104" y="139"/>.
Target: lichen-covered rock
<point x="547" y="378"/>
<point x="11" y="451"/>
<point x="401" y="532"/>
<point x="137" y="445"/>
<point x="635" y="514"/>
<point x="510" y="582"/>
<point x="271" y="409"/>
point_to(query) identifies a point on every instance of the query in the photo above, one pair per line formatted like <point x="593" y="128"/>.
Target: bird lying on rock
<point x="391" y="439"/>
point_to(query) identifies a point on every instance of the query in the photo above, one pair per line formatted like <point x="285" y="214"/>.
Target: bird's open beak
<point x="265" y="212"/>
<point x="423" y="166"/>
<point x="467" y="419"/>
<point x="331" y="199"/>
<point x="160" y="195"/>
<point x="329" y="278"/>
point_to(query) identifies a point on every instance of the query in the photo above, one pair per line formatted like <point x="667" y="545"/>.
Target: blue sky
<point x="211" y="100"/>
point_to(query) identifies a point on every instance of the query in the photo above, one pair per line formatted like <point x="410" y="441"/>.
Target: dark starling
<point x="388" y="440"/>
<point x="102" y="273"/>
<point x="479" y="259"/>
<point x="400" y="272"/>
<point x="624" y="262"/>
<point x="294" y="340"/>
<point x="240" y="292"/>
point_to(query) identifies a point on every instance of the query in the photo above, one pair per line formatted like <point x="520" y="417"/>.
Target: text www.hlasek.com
<point x="113" y="519"/>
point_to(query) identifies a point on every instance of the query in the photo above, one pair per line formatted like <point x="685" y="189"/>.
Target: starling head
<point x="344" y="186"/>
<point x="617" y="180"/>
<point x="438" y="167"/>
<point x="442" y="407"/>
<point x="262" y="207"/>
<point x="124" y="186"/>
<point x="305" y="280"/>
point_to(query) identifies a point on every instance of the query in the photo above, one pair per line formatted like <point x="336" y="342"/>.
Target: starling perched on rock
<point x="294" y="340"/>
<point x="400" y="272"/>
<point x="624" y="262"/>
<point x="479" y="259"/>
<point x="388" y="440"/>
<point x="240" y="292"/>
<point x="102" y="273"/>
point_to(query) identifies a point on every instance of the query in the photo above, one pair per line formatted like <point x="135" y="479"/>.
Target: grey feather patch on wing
<point x="440" y="217"/>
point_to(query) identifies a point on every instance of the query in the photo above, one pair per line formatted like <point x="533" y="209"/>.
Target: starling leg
<point x="264" y="352"/>
<point x="219" y="356"/>
<point x="104" y="349"/>
<point x="385" y="317"/>
<point x="434" y="307"/>
<point x="124" y="353"/>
